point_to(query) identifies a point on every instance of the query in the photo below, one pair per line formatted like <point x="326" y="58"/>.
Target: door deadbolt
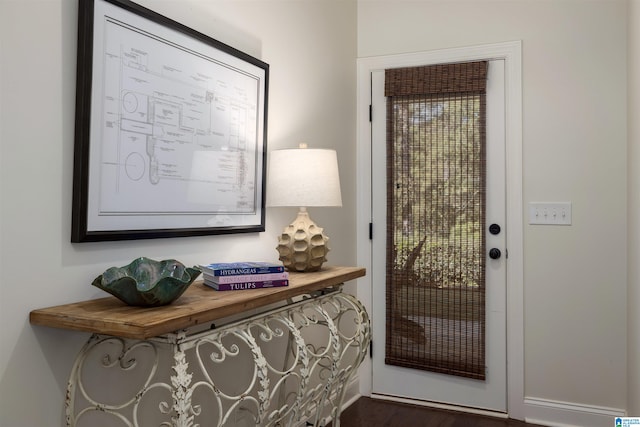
<point x="494" y="253"/>
<point x="494" y="229"/>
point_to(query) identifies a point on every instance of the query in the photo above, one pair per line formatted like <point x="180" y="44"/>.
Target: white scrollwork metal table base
<point x="288" y="366"/>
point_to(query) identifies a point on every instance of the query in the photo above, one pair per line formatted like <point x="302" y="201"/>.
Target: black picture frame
<point x="171" y="129"/>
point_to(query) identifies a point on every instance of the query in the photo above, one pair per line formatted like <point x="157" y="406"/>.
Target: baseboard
<point x="352" y="394"/>
<point x="566" y="414"/>
<point x="538" y="411"/>
<point x="436" y="405"/>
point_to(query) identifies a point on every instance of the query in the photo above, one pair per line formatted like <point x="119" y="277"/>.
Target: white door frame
<point x="511" y="52"/>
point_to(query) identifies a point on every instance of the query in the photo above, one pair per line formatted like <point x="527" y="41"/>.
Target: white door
<point x="390" y="380"/>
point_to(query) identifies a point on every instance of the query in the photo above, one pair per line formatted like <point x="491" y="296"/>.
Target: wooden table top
<point x="198" y="305"/>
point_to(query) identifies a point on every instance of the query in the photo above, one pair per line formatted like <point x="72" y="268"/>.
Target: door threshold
<point x="436" y="405"/>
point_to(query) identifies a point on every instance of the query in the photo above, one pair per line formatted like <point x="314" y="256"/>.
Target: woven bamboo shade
<point x="435" y="279"/>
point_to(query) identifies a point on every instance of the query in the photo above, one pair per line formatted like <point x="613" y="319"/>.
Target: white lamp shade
<point x="303" y="177"/>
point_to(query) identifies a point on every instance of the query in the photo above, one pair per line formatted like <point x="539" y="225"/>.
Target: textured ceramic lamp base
<point x="303" y="245"/>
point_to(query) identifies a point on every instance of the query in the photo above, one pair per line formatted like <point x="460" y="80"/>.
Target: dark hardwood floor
<point x="366" y="412"/>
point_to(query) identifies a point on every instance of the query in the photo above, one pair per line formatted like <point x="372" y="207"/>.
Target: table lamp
<point x="303" y="177"/>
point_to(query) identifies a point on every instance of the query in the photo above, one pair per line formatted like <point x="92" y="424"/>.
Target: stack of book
<point x="232" y="276"/>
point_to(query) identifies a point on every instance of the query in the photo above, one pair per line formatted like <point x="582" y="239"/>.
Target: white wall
<point x="633" y="297"/>
<point x="574" y="149"/>
<point x="311" y="48"/>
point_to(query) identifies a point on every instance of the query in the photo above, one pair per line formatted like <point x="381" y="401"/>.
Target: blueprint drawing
<point x="180" y="130"/>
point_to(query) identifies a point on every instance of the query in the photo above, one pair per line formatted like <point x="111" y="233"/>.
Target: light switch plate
<point x="554" y="213"/>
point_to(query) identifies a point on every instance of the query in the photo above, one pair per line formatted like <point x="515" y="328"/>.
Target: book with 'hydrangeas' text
<point x="241" y="268"/>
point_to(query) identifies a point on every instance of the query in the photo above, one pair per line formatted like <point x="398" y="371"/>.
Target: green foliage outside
<point x="437" y="194"/>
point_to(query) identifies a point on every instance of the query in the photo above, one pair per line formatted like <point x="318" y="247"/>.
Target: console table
<point x="186" y="364"/>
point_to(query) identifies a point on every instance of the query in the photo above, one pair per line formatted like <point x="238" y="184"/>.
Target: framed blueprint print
<point x="170" y="135"/>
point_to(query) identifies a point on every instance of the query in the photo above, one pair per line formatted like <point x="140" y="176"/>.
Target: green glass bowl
<point x="147" y="283"/>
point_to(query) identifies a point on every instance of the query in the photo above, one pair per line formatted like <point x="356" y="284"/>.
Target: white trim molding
<point x="511" y="53"/>
<point x="436" y="405"/>
<point x="565" y="414"/>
